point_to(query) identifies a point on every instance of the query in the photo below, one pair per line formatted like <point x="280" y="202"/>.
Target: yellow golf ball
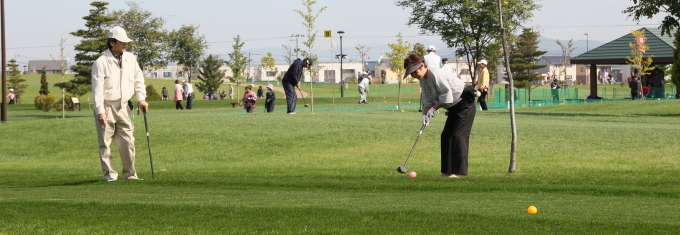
<point x="402" y="111"/>
<point x="532" y="210"/>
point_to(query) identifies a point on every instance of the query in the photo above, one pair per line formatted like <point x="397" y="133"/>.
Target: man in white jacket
<point x="363" y="88"/>
<point x="116" y="78"/>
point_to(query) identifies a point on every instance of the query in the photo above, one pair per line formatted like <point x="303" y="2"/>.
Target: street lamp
<point x="586" y="41"/>
<point x="342" y="56"/>
<point x="587" y="67"/>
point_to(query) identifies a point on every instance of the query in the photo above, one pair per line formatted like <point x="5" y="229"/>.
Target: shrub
<point x="44" y="102"/>
<point x="151" y="93"/>
<point x="68" y="102"/>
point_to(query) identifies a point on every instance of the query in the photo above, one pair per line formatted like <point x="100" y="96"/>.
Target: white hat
<point x="10" y="89"/>
<point x="482" y="62"/>
<point x="270" y="86"/>
<point x="365" y="73"/>
<point x="431" y="48"/>
<point x="119" y="34"/>
<point x="251" y="85"/>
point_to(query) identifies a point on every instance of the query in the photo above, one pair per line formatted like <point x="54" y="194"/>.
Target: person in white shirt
<point x="432" y="60"/>
<point x="189" y="93"/>
<point x="363" y="87"/>
<point x="447" y="67"/>
<point x="116" y="78"/>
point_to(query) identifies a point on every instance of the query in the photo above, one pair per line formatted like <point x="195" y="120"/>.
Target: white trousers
<point x="120" y="128"/>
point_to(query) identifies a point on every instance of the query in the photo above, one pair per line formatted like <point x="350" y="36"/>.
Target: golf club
<point x="303" y="97"/>
<point x="148" y="145"/>
<point x="370" y="97"/>
<point x="402" y="169"/>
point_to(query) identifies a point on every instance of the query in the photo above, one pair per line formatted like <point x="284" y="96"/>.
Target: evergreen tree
<point x="151" y="93"/>
<point x="44" y="88"/>
<point x="149" y="45"/>
<point x="89" y="49"/>
<point x="187" y="47"/>
<point x="210" y="75"/>
<point x="15" y="79"/>
<point x="523" y="57"/>
<point x="237" y="62"/>
<point x="675" y="71"/>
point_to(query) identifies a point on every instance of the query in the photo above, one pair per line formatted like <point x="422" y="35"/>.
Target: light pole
<point x="342" y="56"/>
<point x="586" y="41"/>
<point x="296" y="36"/>
<point x="587" y="67"/>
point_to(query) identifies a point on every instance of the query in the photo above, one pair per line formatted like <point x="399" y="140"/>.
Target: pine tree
<point x="15" y="79"/>
<point x="210" y="75"/>
<point x="523" y="56"/>
<point x="675" y="71"/>
<point x="90" y="48"/>
<point x="44" y="88"/>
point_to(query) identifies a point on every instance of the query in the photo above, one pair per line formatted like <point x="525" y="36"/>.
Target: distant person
<point x="249" y="99"/>
<point x="223" y="95"/>
<point x="260" y="93"/>
<point x="363" y="89"/>
<point x="610" y="78"/>
<point x="179" y="95"/>
<point x="111" y="112"/>
<point x="446" y="66"/>
<point x="164" y="92"/>
<point x="189" y="93"/>
<point x="555" y="93"/>
<point x="383" y="75"/>
<point x="206" y="96"/>
<point x="603" y="76"/>
<point x="270" y="99"/>
<point x="231" y="91"/>
<point x="635" y="88"/>
<point x="432" y="60"/>
<point x="291" y="80"/>
<point x="441" y="89"/>
<point x="482" y="84"/>
<point x="11" y="96"/>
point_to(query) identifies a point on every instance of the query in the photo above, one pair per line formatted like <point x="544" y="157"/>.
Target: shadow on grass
<point x="77" y="183"/>
<point x="569" y="114"/>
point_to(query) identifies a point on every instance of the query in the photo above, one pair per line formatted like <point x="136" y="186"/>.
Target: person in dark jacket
<point x="271" y="97"/>
<point x="291" y="80"/>
<point x="635" y="88"/>
<point x="260" y="93"/>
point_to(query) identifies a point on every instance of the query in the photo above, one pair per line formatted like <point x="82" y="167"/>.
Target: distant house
<point x="51" y="66"/>
<point x="553" y="68"/>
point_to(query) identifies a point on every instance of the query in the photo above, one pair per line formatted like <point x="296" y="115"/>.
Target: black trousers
<point x="291" y="96"/>
<point x="190" y="98"/>
<point x="482" y="99"/>
<point x="269" y="106"/>
<point x="455" y="137"/>
<point x="178" y="105"/>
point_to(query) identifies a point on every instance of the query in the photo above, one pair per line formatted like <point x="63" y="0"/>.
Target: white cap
<point x="431" y="48"/>
<point x="365" y="73"/>
<point x="270" y="86"/>
<point x="119" y="34"/>
<point x="482" y="62"/>
<point x="10" y="89"/>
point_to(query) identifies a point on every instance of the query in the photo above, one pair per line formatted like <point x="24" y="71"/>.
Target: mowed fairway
<point x="601" y="168"/>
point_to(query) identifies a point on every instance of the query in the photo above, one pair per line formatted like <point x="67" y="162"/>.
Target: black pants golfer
<point x="269" y="106"/>
<point x="190" y="98"/>
<point x="482" y="98"/>
<point x="456" y="134"/>
<point x="291" y="96"/>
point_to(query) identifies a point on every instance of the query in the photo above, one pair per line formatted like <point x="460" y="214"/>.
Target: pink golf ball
<point x="412" y="174"/>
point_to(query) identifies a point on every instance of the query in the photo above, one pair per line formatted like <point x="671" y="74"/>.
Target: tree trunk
<point x="513" y="144"/>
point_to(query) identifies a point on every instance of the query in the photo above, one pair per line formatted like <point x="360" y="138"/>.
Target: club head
<point x="402" y="169"/>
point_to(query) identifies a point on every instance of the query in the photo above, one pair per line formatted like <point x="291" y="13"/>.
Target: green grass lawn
<point x="600" y="168"/>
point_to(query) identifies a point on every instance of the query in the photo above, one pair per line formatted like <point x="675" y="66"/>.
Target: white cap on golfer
<point x="119" y="34"/>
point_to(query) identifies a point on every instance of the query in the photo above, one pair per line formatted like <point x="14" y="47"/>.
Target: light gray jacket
<point x="110" y="82"/>
<point x="441" y="86"/>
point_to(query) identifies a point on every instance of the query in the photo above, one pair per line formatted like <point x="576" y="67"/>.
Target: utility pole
<point x="297" y="49"/>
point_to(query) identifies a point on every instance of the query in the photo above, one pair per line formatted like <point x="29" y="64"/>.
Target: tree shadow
<point x="77" y="183"/>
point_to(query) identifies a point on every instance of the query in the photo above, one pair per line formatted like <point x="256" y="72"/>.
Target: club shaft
<point x="414" y="145"/>
<point x="303" y="96"/>
<point x="148" y="145"/>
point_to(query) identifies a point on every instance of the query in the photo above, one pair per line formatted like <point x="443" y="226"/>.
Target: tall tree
<point x="523" y="57"/>
<point x="566" y="54"/>
<point x="638" y="61"/>
<point x="187" y="47"/>
<point x="675" y="70"/>
<point x="399" y="52"/>
<point x="650" y="8"/>
<point x="363" y="52"/>
<point x="210" y="75"/>
<point x="468" y="25"/>
<point x="15" y="80"/>
<point x="44" y="86"/>
<point x="289" y="55"/>
<point x="268" y="62"/>
<point x="309" y="18"/>
<point x="150" y="39"/>
<point x="419" y="49"/>
<point x="237" y="62"/>
<point x="91" y="46"/>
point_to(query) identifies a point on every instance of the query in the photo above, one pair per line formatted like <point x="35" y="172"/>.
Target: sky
<point x="34" y="28"/>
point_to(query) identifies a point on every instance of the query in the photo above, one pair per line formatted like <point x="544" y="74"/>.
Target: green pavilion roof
<point x="615" y="52"/>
